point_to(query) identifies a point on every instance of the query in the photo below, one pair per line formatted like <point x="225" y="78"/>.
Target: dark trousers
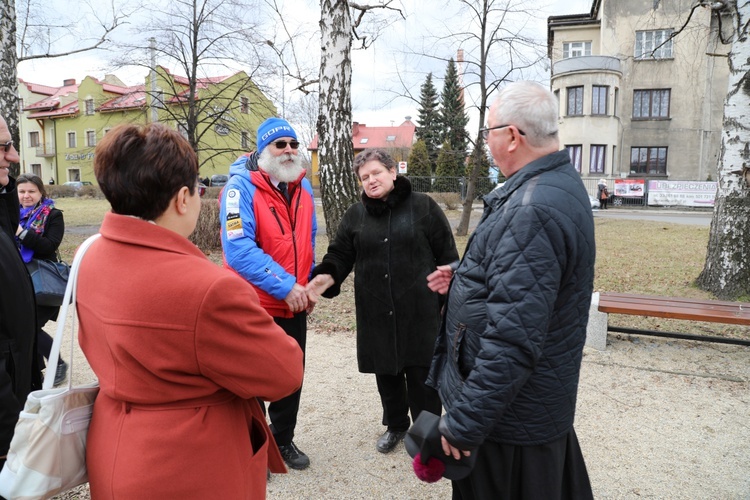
<point x="405" y="392"/>
<point x="43" y="339"/>
<point x="10" y="407"/>
<point x="283" y="413"/>
<point x="554" y="470"/>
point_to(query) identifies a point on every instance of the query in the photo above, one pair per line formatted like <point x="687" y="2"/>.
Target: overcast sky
<point x="380" y="74"/>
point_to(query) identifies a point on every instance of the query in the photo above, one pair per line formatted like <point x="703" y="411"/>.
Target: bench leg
<point x="596" y="330"/>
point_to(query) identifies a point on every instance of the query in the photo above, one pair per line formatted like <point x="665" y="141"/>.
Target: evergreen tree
<point x="420" y="168"/>
<point x="453" y="116"/>
<point x="483" y="185"/>
<point x="429" y="129"/>
<point x="450" y="167"/>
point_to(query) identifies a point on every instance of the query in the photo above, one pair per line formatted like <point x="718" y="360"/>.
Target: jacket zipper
<point x="459" y="335"/>
<point x="278" y="219"/>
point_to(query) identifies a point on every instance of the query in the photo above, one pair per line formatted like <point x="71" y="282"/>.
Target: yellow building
<point x="61" y="126"/>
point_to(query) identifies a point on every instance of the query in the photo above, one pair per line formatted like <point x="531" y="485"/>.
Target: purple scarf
<point x="34" y="219"/>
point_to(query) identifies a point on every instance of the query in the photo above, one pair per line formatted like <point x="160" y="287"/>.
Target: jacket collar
<point x="135" y="231"/>
<point x="401" y="191"/>
<point x="544" y="164"/>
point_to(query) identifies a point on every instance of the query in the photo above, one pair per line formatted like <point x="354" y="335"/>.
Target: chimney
<point x="355" y="128"/>
<point x="69" y="81"/>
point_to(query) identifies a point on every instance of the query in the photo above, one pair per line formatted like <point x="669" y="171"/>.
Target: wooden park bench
<point x="715" y="311"/>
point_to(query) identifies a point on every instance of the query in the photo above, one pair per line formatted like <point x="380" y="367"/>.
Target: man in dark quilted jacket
<point x="508" y="356"/>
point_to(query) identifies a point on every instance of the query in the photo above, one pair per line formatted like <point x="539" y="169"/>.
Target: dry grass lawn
<point x="646" y="257"/>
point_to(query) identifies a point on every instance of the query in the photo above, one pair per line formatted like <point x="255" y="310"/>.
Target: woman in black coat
<point x="39" y="235"/>
<point x="393" y="239"/>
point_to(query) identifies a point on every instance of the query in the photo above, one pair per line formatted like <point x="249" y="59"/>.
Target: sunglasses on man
<point x="282" y="144"/>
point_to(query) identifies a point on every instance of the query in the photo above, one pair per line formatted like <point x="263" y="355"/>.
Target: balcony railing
<point x="45" y="151"/>
<point x="586" y="63"/>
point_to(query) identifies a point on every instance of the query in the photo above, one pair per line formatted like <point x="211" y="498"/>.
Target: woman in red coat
<point x="181" y="346"/>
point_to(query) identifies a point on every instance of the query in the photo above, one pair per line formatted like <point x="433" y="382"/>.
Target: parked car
<point x="594" y="202"/>
<point x="219" y="180"/>
<point x="77" y="184"/>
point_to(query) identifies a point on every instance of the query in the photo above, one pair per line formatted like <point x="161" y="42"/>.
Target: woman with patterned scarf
<point x="39" y="235"/>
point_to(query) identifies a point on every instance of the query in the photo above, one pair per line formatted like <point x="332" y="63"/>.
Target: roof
<point x="200" y="83"/>
<point x="51" y="102"/>
<point x="135" y="97"/>
<point x="364" y="137"/>
<point x="67" y="110"/>
<point x="37" y="88"/>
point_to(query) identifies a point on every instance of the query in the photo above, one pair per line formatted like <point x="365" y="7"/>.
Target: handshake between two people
<point x="304" y="298"/>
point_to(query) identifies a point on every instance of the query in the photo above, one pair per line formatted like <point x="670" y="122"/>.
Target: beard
<point x="284" y="168"/>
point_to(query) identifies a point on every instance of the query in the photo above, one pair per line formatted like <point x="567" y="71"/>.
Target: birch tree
<point x="32" y="36"/>
<point x="341" y="22"/>
<point x="726" y="272"/>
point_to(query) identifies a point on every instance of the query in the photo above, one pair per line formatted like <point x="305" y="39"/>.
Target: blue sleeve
<point x="238" y="241"/>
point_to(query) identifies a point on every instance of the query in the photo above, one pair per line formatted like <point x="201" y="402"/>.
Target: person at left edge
<point x="19" y="373"/>
<point x="268" y="237"/>
<point x="181" y="347"/>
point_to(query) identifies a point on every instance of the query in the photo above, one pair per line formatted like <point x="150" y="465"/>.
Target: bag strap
<point x="62" y="318"/>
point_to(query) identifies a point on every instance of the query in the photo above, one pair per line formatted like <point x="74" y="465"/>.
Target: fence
<point x="452" y="185"/>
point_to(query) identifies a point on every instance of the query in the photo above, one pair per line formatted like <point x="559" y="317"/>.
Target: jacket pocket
<point x="458" y="338"/>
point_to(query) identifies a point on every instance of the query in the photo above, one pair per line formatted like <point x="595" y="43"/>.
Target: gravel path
<point x="656" y="419"/>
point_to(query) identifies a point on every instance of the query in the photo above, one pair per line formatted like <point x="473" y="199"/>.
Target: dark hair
<point x="140" y="168"/>
<point x="374" y="154"/>
<point x="34" y="179"/>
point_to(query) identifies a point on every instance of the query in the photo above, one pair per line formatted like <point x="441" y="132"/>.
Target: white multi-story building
<point x="636" y="101"/>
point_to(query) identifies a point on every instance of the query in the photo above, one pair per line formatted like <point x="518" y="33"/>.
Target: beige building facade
<point x="636" y="101"/>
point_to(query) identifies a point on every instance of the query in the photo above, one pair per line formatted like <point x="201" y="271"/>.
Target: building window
<point x="34" y="139"/>
<point x="244" y="105"/>
<point x="390" y="138"/>
<point x="71" y="139"/>
<point x="599" y="94"/>
<point x="575" y="101"/>
<point x="244" y="143"/>
<point x="89" y="106"/>
<point x="74" y="175"/>
<point x="105" y="131"/>
<point x="36" y="169"/>
<point x="363" y="140"/>
<point x="596" y="160"/>
<point x="91" y="138"/>
<point x="645" y="160"/>
<point x="576" y="49"/>
<point x="650" y="104"/>
<point x="656" y="44"/>
<point x="575" y="155"/>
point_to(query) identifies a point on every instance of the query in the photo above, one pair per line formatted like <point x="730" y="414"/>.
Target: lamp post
<point x="281" y="58"/>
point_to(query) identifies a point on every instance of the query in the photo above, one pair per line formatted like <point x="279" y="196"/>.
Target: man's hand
<point x="315" y="288"/>
<point x="451" y="450"/>
<point x="440" y="279"/>
<point x="296" y="299"/>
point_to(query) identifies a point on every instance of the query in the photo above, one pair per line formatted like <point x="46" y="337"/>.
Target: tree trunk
<point x="338" y="185"/>
<point x="726" y="273"/>
<point x="8" y="75"/>
<point x="471" y="188"/>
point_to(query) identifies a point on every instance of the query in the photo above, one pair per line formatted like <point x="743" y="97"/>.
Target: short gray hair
<point x="530" y="107"/>
<point x="374" y="154"/>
